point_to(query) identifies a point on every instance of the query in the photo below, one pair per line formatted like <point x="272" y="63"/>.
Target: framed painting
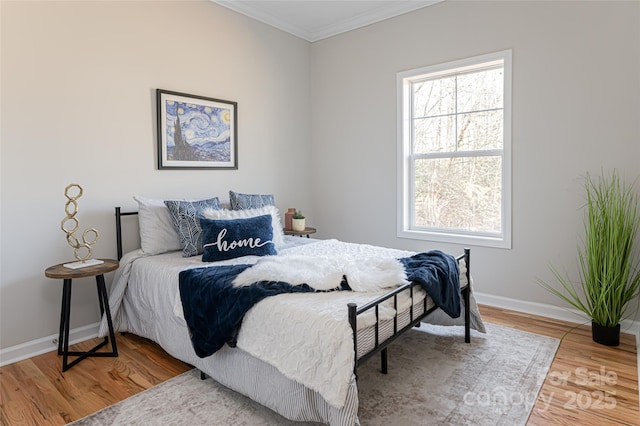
<point x="196" y="132"/>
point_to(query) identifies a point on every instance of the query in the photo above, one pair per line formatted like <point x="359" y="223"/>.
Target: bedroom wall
<point x="78" y="105"/>
<point x="576" y="103"/>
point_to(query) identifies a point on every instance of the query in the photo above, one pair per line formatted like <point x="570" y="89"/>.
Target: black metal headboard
<point x="119" y="215"/>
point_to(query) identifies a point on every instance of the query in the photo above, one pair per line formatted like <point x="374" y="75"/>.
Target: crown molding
<point x="386" y="10"/>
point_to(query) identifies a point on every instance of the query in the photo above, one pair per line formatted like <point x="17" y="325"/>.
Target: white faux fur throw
<point x="326" y="273"/>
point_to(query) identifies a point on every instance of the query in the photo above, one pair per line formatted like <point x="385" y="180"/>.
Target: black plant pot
<point x="608" y="336"/>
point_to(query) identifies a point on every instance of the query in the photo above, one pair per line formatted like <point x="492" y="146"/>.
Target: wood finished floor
<point x="587" y="384"/>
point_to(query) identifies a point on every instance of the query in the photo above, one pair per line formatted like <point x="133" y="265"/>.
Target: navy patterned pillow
<point x="228" y="239"/>
<point x="184" y="215"/>
<point x="250" y="201"/>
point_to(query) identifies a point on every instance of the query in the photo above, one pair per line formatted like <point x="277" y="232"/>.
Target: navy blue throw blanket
<point x="439" y="275"/>
<point x="214" y="308"/>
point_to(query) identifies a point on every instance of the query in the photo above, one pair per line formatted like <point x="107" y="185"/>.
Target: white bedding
<point x="272" y="329"/>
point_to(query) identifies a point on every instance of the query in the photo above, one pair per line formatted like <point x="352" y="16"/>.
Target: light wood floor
<point x="588" y="384"/>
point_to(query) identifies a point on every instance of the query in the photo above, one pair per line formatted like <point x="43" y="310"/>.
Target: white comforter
<point x="307" y="337"/>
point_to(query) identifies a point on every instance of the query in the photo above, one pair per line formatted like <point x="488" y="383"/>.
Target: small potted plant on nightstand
<point x="298" y="221"/>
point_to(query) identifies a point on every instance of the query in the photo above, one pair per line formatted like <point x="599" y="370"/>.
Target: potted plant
<point x="298" y="221"/>
<point x="609" y="264"/>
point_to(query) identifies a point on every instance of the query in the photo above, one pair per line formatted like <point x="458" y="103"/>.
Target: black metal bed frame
<point x="354" y="310"/>
<point x="381" y="347"/>
<point x="119" y="214"/>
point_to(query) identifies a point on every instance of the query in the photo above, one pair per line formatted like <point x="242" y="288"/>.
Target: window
<point x="454" y="140"/>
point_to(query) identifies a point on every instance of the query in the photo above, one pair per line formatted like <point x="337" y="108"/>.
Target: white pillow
<point x="157" y="234"/>
<point x="278" y="234"/>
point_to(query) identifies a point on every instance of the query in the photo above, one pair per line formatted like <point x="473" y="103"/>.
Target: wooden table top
<point x="62" y="272"/>
<point x="305" y="232"/>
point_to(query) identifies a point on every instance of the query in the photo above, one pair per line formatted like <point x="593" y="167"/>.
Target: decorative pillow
<point x="250" y="201"/>
<point x="184" y="216"/>
<point x="157" y="234"/>
<point x="276" y="223"/>
<point x="228" y="239"/>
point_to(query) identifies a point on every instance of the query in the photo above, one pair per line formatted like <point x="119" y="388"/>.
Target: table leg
<point x="66" y="307"/>
<point x="63" y="339"/>
<point x="104" y="308"/>
<point x="63" y="321"/>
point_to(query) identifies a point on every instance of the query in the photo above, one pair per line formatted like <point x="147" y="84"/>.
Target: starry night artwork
<point x="196" y="132"/>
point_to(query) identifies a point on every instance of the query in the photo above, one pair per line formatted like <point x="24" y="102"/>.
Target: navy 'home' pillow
<point x="227" y="239"/>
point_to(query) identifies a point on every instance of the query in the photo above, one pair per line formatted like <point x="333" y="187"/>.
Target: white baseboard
<point x="46" y="344"/>
<point x="549" y="311"/>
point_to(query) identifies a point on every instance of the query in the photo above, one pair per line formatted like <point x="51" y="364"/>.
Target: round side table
<point x="307" y="231"/>
<point x="67" y="274"/>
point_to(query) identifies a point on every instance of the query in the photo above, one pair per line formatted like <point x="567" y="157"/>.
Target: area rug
<point x="434" y="378"/>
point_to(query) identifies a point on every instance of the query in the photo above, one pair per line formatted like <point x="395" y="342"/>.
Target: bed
<point x="295" y="353"/>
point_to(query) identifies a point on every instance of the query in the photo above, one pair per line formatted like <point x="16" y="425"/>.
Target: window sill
<point x="459" y="239"/>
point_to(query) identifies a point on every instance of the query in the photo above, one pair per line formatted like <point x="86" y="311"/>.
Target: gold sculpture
<point x="72" y="201"/>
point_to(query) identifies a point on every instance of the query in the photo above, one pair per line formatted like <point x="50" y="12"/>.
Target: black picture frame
<point x="196" y="132"/>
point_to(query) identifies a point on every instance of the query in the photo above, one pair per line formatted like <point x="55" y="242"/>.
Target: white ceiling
<point x="315" y="20"/>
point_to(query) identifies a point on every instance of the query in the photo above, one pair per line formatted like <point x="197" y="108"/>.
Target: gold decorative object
<point x="73" y="192"/>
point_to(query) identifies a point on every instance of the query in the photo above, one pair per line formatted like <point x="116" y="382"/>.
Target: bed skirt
<point x="248" y="375"/>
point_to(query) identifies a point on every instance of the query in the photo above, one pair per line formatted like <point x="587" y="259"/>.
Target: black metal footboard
<point x="414" y="320"/>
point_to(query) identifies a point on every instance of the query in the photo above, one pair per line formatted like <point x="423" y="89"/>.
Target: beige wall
<point x="576" y="94"/>
<point x="78" y="105"/>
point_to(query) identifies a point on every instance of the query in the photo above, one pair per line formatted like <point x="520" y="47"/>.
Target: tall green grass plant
<point x="609" y="262"/>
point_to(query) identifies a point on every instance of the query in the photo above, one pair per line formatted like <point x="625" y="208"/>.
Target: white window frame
<point x="405" y="177"/>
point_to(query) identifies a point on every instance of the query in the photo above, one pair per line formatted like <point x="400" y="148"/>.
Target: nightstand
<point x="307" y="232"/>
<point x="61" y="272"/>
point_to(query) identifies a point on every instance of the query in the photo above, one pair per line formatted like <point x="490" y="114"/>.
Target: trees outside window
<point x="454" y="151"/>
